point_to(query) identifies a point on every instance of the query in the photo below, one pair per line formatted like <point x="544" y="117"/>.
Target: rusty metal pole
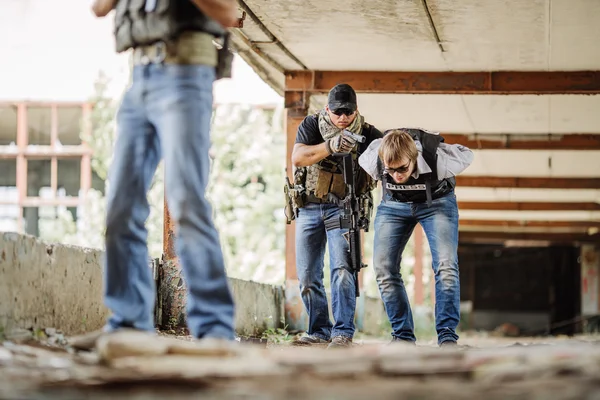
<point x="171" y="290"/>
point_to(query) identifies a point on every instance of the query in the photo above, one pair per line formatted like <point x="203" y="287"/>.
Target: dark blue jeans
<point x="311" y="238"/>
<point x="166" y="111"/>
<point x="394" y="224"/>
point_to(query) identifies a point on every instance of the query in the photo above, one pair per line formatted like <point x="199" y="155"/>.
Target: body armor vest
<point x="137" y="23"/>
<point x="427" y="186"/>
<point x="326" y="177"/>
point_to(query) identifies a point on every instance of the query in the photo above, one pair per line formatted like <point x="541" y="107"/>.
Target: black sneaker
<point x="396" y="340"/>
<point x="340" y="342"/>
<point x="449" y="344"/>
<point x="309" y="340"/>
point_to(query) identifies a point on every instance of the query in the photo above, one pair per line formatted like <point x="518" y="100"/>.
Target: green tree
<point x="246" y="190"/>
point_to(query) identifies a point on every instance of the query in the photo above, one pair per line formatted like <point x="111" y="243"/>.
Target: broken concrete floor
<point x="139" y="366"/>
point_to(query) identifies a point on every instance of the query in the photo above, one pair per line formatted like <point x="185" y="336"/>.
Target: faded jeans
<point x="394" y="224"/>
<point x="311" y="238"/>
<point x="166" y="111"/>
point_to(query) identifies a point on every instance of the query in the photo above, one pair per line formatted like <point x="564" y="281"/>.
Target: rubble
<point x="129" y="360"/>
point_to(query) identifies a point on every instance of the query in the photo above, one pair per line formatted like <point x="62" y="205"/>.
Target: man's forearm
<point x="102" y="7"/>
<point x="304" y="155"/>
<point x="222" y="11"/>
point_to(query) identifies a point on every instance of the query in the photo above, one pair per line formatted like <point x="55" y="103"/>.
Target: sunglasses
<point x="400" y="170"/>
<point x="343" y="111"/>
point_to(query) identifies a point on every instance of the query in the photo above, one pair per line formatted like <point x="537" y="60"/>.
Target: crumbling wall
<point x="49" y="285"/>
<point x="58" y="286"/>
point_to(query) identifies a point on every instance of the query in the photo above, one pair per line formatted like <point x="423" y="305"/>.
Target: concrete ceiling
<point x="451" y="35"/>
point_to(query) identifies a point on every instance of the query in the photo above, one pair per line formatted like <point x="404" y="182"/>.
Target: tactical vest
<point x="427" y="186"/>
<point x="145" y="22"/>
<point x="326" y="177"/>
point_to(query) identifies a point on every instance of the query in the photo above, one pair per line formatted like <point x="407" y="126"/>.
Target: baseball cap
<point x="342" y="96"/>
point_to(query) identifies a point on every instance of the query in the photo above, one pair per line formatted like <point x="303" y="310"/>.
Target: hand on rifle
<point x="342" y="144"/>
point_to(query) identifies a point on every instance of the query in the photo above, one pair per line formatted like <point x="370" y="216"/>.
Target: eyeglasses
<point x="343" y="111"/>
<point x="400" y="170"/>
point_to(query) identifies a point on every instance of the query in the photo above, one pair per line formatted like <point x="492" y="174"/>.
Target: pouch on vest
<point x="295" y="197"/>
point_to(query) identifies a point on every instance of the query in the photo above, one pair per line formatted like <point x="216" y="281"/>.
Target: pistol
<point x="355" y="137"/>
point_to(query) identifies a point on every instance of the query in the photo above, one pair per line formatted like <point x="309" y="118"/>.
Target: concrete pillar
<point x="295" y="317"/>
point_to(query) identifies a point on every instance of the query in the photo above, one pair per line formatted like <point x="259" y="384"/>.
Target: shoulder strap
<point x="430" y="144"/>
<point x="383" y="178"/>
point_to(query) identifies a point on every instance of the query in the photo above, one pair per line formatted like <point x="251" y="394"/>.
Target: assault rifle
<point x="350" y="211"/>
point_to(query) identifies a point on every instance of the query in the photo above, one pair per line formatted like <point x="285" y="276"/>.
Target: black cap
<point x="342" y="96"/>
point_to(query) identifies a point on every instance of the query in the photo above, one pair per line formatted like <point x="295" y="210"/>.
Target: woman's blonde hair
<point x="396" y="146"/>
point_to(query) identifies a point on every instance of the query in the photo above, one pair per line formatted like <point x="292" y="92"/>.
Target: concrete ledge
<point x="59" y="286"/>
<point x="258" y="306"/>
<point x="49" y="285"/>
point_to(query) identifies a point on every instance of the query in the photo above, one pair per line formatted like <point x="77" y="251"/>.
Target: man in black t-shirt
<point x="319" y="136"/>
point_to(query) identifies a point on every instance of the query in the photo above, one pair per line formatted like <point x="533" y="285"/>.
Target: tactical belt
<point x="311" y="198"/>
<point x="191" y="48"/>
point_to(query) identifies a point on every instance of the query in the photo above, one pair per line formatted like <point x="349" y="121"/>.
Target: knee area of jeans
<point x="383" y="270"/>
<point x="308" y="284"/>
<point x="447" y="273"/>
<point x="343" y="277"/>
<point x="183" y="208"/>
<point x="118" y="225"/>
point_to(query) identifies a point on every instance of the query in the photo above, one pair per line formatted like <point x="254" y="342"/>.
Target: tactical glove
<point x="341" y="144"/>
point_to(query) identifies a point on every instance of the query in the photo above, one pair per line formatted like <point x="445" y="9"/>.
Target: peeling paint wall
<point x="590" y="287"/>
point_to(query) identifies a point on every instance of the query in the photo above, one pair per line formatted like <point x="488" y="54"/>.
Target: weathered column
<point x="296" y="108"/>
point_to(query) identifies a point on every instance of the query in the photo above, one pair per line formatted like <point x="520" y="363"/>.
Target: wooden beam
<point x="44" y="152"/>
<point x="529" y="224"/>
<point x="492" y="82"/>
<point x="529" y="183"/>
<point x="528" y="206"/>
<point x="468" y="236"/>
<point x="42" y="104"/>
<point x="526" y="142"/>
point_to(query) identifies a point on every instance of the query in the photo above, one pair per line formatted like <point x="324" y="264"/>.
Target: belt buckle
<point x="161" y="52"/>
<point x="159" y="56"/>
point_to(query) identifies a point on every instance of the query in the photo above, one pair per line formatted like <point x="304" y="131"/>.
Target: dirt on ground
<point x="136" y="365"/>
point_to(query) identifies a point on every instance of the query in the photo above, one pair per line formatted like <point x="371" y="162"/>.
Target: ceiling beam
<point x="525" y="141"/>
<point x="528" y="206"/>
<point x="412" y="82"/>
<point x="529" y="224"/>
<point x="470" y="236"/>
<point x="529" y="183"/>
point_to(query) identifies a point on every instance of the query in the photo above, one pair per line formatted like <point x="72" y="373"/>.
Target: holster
<point x="295" y="198"/>
<point x="224" y="59"/>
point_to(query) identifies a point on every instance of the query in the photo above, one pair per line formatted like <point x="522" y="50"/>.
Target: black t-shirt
<point x="309" y="134"/>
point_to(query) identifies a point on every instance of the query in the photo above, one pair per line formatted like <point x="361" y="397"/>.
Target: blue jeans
<point x="394" y="224"/>
<point x="166" y="111"/>
<point x="311" y="238"/>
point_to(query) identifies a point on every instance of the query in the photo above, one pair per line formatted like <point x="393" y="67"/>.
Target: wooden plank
<point x="492" y="82"/>
<point x="528" y="206"/>
<point x="526" y="142"/>
<point x="529" y="183"/>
